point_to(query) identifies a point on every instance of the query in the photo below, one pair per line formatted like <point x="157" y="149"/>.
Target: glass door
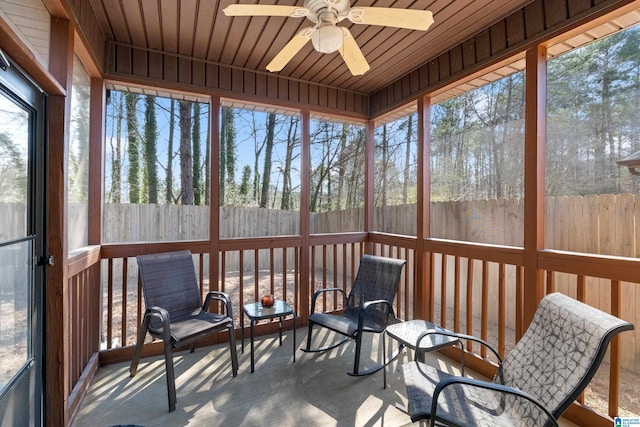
<point x="22" y="215"/>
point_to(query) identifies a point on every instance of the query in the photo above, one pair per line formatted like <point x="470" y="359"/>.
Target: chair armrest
<point x="163" y="315"/>
<point x="317" y="293"/>
<point x="367" y="304"/>
<point x="462" y="337"/>
<point x="219" y="296"/>
<point x="487" y="386"/>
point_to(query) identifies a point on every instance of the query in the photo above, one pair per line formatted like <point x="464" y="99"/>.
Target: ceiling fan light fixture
<point x="328" y="38"/>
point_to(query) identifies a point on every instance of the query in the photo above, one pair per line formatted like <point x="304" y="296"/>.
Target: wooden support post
<point x="534" y="173"/>
<point x="96" y="137"/>
<point x="214" y="196"/>
<point x="423" y="266"/>
<point x="305" y="216"/>
<point x="369" y="187"/>
<point x="57" y="383"/>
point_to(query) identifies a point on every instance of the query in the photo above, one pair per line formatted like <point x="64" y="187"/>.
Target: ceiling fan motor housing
<point x="316" y="8"/>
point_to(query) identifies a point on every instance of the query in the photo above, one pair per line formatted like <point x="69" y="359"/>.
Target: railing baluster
<point x="551" y="282"/>
<point x="443" y="292"/>
<point x="313" y="271"/>
<point x="284" y="273"/>
<point x="431" y="290"/>
<point x="335" y="274"/>
<point x="324" y="277"/>
<point x="519" y="303"/>
<point x="456" y="294"/>
<point x="485" y="306"/>
<point x="502" y="329"/>
<point x="256" y="272"/>
<point x="223" y="273"/>
<point x="353" y="262"/>
<point x="581" y="292"/>
<point x="296" y="278"/>
<point x="201" y="274"/>
<point x="272" y="285"/>
<point x="614" y="367"/>
<point x="240" y="279"/>
<point x="470" y="302"/>
<point x="110" y="303"/>
<point x="344" y="268"/>
<point x="139" y="306"/>
<point x="125" y="277"/>
<point x="407" y="280"/>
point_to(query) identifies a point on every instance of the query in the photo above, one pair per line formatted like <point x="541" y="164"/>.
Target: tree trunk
<point x="268" y="153"/>
<point x="150" y="156"/>
<point x="116" y="164"/>
<point x="227" y="153"/>
<point x="133" y="149"/>
<point x="186" y="160"/>
<point x="342" y="166"/>
<point x="172" y="123"/>
<point x="195" y="136"/>
<point x="385" y="149"/>
<point x="286" y="173"/>
<point x="407" y="160"/>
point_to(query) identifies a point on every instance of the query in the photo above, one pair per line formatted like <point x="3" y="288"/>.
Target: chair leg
<point x="309" y="336"/>
<point x="234" y="351"/>
<point x="385" y="359"/>
<point x="192" y="347"/>
<point x="171" y="376"/>
<point x="356" y="362"/>
<point x="138" y="352"/>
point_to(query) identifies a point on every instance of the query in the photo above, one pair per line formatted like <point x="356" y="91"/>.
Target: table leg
<point x="242" y="329"/>
<point x="294" y="338"/>
<point x="252" y="322"/>
<point x="280" y="329"/>
<point x="384" y="360"/>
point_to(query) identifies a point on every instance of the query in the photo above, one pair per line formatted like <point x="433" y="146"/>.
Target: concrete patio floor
<point x="313" y="391"/>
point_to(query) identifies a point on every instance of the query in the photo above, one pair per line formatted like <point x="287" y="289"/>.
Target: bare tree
<point x="169" y="170"/>
<point x="133" y="149"/>
<point x="149" y="150"/>
<point x="116" y="153"/>
<point x="292" y="141"/>
<point x="186" y="159"/>
<point x="268" y="154"/>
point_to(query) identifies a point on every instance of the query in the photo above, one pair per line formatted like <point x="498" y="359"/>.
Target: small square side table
<point x="255" y="311"/>
<point x="407" y="333"/>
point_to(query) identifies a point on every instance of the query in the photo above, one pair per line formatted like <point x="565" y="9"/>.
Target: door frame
<point x="27" y="387"/>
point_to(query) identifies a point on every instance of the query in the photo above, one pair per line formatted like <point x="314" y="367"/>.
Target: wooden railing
<point x="471" y="288"/>
<point x="82" y="318"/>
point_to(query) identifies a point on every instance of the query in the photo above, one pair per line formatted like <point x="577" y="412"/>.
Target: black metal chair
<point x="174" y="310"/>
<point x="367" y="309"/>
<point x="544" y="373"/>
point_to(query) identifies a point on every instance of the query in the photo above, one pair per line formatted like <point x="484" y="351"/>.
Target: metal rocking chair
<point x="367" y="309"/>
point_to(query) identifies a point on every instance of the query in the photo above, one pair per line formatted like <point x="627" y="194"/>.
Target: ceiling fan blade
<point x="290" y="49"/>
<point x="265" y="10"/>
<point x="392" y="17"/>
<point x="352" y="54"/>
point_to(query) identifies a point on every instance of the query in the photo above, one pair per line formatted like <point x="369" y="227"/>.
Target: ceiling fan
<point x="325" y="35"/>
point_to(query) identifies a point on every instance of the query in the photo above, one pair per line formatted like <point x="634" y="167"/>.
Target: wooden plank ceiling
<point x="199" y="29"/>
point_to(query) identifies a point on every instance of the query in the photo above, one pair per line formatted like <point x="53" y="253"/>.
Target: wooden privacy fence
<point x="597" y="224"/>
